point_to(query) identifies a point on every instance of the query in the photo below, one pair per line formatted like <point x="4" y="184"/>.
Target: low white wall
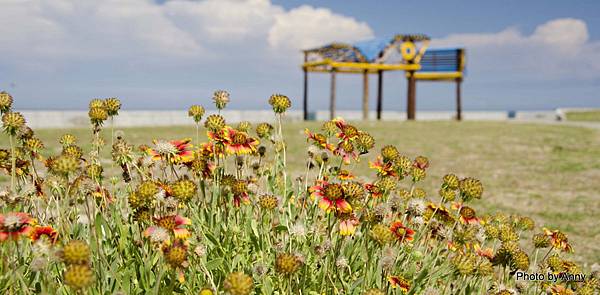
<point x="64" y="119"/>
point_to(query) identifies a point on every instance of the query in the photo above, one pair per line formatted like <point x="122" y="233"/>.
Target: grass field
<point x="550" y="173"/>
<point x="585" y="116"/>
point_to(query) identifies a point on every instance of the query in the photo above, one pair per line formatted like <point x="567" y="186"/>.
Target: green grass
<point x="586" y="116"/>
<point x="547" y="172"/>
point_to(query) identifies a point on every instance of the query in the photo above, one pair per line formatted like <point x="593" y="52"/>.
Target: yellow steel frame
<point x="328" y="65"/>
<point x="436" y="76"/>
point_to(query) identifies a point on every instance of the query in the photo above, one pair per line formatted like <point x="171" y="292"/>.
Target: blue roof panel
<point x="371" y="48"/>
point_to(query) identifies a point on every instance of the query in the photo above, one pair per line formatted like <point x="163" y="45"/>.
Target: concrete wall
<point x="64" y="119"/>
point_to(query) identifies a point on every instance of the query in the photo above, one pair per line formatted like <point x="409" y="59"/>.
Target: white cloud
<point x="306" y="27"/>
<point x="56" y="32"/>
<point x="557" y="49"/>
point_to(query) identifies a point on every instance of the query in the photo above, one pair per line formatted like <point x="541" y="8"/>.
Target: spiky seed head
<point x="34" y="144"/>
<point x="525" y="223"/>
<point x="374" y="291"/>
<point x="96" y="103"/>
<point x="491" y="231"/>
<point x="470" y="188"/>
<point x="221" y="98"/>
<point x="67" y="139"/>
<point x="183" y="189"/>
<point x="402" y="164"/>
<point x="196" y="112"/>
<point x="76" y="252"/>
<point x="239" y="187"/>
<point x="142" y="215"/>
<point x="12" y="122"/>
<point x="364" y="142"/>
<point x="418" y="174"/>
<point x="147" y="189"/>
<point x="467" y="212"/>
<point x="329" y="127"/>
<point x="389" y="152"/>
<point x="112" y="106"/>
<point x="541" y="240"/>
<point x="520" y="260"/>
<point x="136" y="201"/>
<point x="451" y="181"/>
<point x="267" y="202"/>
<point x="484" y="268"/>
<point x="175" y="255"/>
<point x="381" y="234"/>
<point x="464" y="264"/>
<point x="387" y="184"/>
<point x="94" y="171"/>
<point x="507" y="234"/>
<point x="286" y="263"/>
<point x="214" y="122"/>
<point x="555" y="263"/>
<point x="78" y="277"/>
<point x="262" y="150"/>
<point x="353" y="190"/>
<point x="98" y="115"/>
<point x="244" y="126"/>
<point x="64" y="164"/>
<point x="263" y="130"/>
<point x="73" y="151"/>
<point x="238" y="283"/>
<point x="280" y="103"/>
<point x="6" y="101"/>
<point x="419" y="193"/>
<point x="447" y="195"/>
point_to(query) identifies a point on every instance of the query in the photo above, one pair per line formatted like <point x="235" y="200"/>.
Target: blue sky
<point x="58" y="54"/>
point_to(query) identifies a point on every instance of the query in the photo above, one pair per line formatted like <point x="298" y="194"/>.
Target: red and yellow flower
<point x="15" y="224"/>
<point x="348" y="223"/>
<point x="347" y="131"/>
<point x="374" y="190"/>
<point x="44" y="231"/>
<point x="402" y="232"/>
<point x="346" y="150"/>
<point x="558" y="240"/>
<point x="383" y="169"/>
<point x="172" y="223"/>
<point x="181" y="153"/>
<point x="332" y="197"/>
<point x="319" y="140"/>
<point x="235" y="142"/>
<point x="487" y="252"/>
<point x="399" y="282"/>
<point x="210" y="150"/>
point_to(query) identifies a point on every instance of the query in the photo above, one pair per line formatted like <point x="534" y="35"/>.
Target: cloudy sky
<point x="58" y="54"/>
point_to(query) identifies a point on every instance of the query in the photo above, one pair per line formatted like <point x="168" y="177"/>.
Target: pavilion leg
<point x="379" y="93"/>
<point x="305" y="103"/>
<point x="411" y="100"/>
<point x="332" y="98"/>
<point x="365" y="101"/>
<point x="458" y="100"/>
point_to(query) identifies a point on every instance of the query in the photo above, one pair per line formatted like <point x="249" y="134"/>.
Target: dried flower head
<point x="112" y="106"/>
<point x="221" y="98"/>
<point x="6" y="101"/>
<point x="76" y="252"/>
<point x="78" y="276"/>
<point x="238" y="283"/>
<point x="214" y="123"/>
<point x="280" y="103"/>
<point x="12" y="122"/>
<point x="286" y="264"/>
<point x="263" y="130"/>
<point x="196" y="112"/>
